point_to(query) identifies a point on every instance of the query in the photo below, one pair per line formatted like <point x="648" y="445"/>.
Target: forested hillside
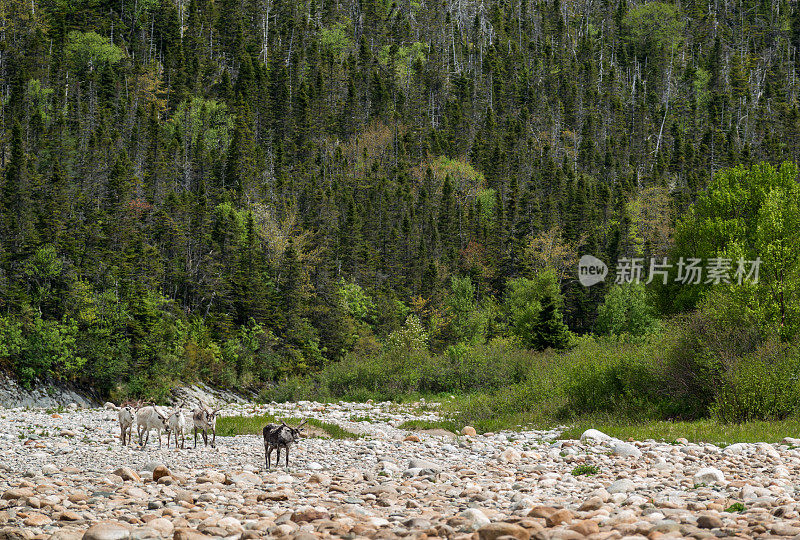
<point x="241" y="189"/>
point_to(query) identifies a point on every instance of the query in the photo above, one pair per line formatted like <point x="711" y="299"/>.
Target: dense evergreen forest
<point x="238" y="190"/>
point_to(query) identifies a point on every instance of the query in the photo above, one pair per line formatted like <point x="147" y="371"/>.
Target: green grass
<point x="695" y="431"/>
<point x="585" y="469"/>
<point x="334" y="430"/>
<point x="229" y="426"/>
<point x="449" y="425"/>
<point x="505" y="419"/>
<point x="736" y="508"/>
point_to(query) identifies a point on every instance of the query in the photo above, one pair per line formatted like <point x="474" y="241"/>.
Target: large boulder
<point x="595" y="435"/>
<point x="709" y="475"/>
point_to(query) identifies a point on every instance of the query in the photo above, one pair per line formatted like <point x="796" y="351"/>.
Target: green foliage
<point x="626" y="310"/>
<point x="550" y="330"/>
<point x="409" y="340"/>
<point x="335" y="40"/>
<point x="45" y="348"/>
<point x="532" y="308"/>
<point x="700" y="86"/>
<point x="355" y="302"/>
<point x="748" y="214"/>
<point x="429" y="424"/>
<point x="88" y="51"/>
<point x="651" y="26"/>
<point x="585" y="470"/>
<point x="229" y="426"/>
<point x="187" y="186"/>
<point x="394" y="374"/>
<point x="486" y="203"/>
<point x="40" y="99"/>
<point x="707" y="430"/>
<point x="736" y="508"/>
<point x="761" y="386"/>
<point x="11" y="341"/>
<point x="204" y="122"/>
<point x="408" y="59"/>
<point x="623" y="378"/>
<point x="467" y="322"/>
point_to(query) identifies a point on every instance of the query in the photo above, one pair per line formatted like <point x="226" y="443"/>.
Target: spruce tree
<point x="550" y="330"/>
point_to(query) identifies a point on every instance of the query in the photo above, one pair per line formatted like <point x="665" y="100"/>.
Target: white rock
<point x="661" y="464"/>
<point x="510" y="455"/>
<point x="618" y="498"/>
<point x="623" y="485"/>
<point x="625" y="450"/>
<point x="477" y="519"/>
<point x="49" y="469"/>
<point x="417" y="463"/>
<point x="709" y="475"/>
<point x="735" y="449"/>
<point x="779" y="472"/>
<point x="595" y="435"/>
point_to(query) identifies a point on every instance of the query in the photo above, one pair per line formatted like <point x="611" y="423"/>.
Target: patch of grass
<point x="230" y="426"/>
<point x="708" y="431"/>
<point x="357" y="418"/>
<point x="736" y="508"/>
<point x="585" y="469"/>
<point x="449" y="425"/>
<point x="334" y="430"/>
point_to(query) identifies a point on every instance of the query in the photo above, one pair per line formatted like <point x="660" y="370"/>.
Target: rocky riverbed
<point x="65" y="475"/>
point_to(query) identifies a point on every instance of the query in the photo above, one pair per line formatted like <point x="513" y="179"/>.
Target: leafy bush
<point x="736" y="508"/>
<point x="532" y="308"/>
<point x="404" y="367"/>
<point x="613" y="376"/>
<point x="43" y="349"/>
<point x="626" y="310"/>
<point x="467" y="322"/>
<point x="761" y="386"/>
<point x="584" y="469"/>
<point x="291" y="389"/>
<point x="747" y="213"/>
<point x="709" y="343"/>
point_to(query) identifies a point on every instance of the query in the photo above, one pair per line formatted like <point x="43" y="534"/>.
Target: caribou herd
<point x="148" y="417"/>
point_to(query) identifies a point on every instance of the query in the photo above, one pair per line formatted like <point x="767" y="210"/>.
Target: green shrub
<point x="468" y="323"/>
<point x="626" y="310"/>
<point x="523" y="303"/>
<point x="736" y="508"/>
<point x="292" y="389"/>
<point x="709" y="342"/>
<point x="762" y="386"/>
<point x="43" y="349"/>
<point x="584" y="469"/>
<point x="614" y="376"/>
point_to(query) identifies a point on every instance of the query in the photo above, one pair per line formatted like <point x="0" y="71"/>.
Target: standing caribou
<point x="205" y="420"/>
<point x="280" y="436"/>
